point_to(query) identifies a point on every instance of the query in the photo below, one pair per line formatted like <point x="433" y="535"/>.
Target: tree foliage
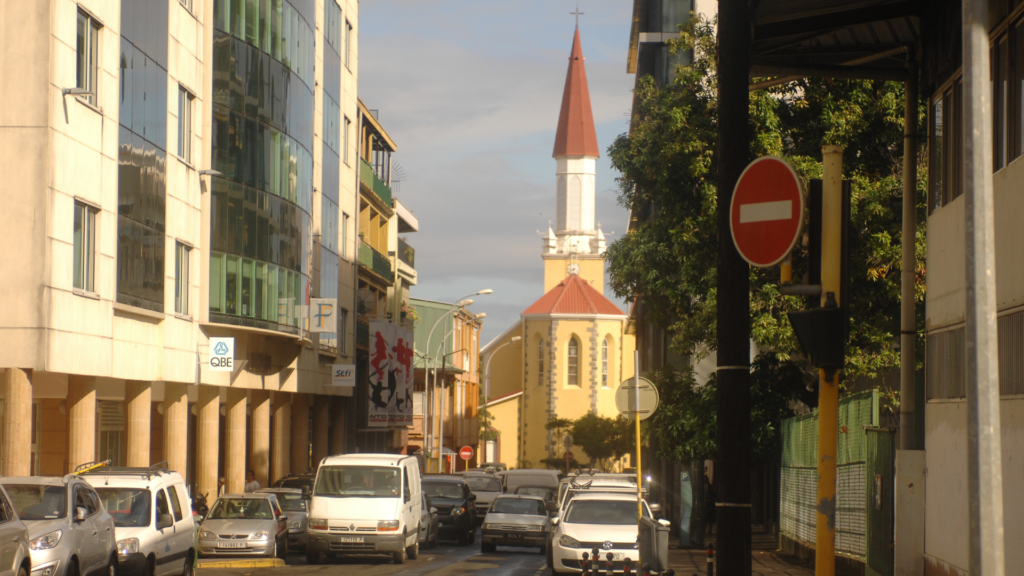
<point x="668" y="161"/>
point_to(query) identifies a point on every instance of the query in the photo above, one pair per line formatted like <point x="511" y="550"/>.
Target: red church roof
<point x="576" y="135"/>
<point x="574" y="295"/>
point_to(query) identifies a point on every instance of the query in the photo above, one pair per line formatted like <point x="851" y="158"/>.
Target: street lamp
<point x="440" y="428"/>
<point x="458" y="392"/>
<point x="487" y="378"/>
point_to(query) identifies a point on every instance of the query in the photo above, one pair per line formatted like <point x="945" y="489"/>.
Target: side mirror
<point x="554" y="521"/>
<point x="283" y="517"/>
<point x="80" y="514"/>
<point x="433" y="510"/>
<point x="164" y="521"/>
<point x="472" y="496"/>
<point x="664" y="523"/>
<point x="656" y="509"/>
<point x="551" y="506"/>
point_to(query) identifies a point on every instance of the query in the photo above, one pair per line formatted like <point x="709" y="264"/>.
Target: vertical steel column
<point x="984" y="454"/>
<point x="908" y="323"/>
<point x="733" y="312"/>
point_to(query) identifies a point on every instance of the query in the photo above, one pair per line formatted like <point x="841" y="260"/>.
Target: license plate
<point x="618" y="556"/>
<point x="353" y="539"/>
<point x="230" y="544"/>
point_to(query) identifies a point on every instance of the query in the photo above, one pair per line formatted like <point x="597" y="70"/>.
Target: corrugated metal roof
<point x="575" y="296"/>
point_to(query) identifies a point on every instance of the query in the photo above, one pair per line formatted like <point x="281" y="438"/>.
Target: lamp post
<point x="440" y="426"/>
<point x="464" y="301"/>
<point x="487" y="380"/>
<point x="458" y="393"/>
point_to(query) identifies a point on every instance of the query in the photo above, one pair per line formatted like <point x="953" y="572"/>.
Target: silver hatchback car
<point x="244" y="525"/>
<point x="70" y="531"/>
<point x="295" y="503"/>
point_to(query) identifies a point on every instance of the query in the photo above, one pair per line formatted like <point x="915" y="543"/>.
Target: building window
<point x="344" y="236"/>
<point x="333" y="33"/>
<point x="946" y="179"/>
<point x="540" y="362"/>
<point x="331" y="129"/>
<point x="604" y="363"/>
<point x="342" y="326"/>
<point x="187" y="4"/>
<point x="344" y="139"/>
<point x="88" y="55"/>
<point x="181" y="282"/>
<point x="348" y="45"/>
<point x="185" y="124"/>
<point x="85" y="246"/>
<point x="573" y="367"/>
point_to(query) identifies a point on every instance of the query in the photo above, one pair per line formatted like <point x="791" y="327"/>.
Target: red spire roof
<point x="576" y="135"/>
<point x="574" y="295"/>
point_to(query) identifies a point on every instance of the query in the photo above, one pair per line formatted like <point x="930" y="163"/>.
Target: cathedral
<point x="570" y="349"/>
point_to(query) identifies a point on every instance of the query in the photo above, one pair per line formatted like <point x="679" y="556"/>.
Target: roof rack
<point x="147" y="471"/>
<point x="83" y="468"/>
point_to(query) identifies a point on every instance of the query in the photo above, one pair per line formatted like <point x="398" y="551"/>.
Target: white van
<point x="152" y="515"/>
<point x="365" y="504"/>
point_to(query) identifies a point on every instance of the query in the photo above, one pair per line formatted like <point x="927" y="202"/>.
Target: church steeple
<point x="576" y="135"/>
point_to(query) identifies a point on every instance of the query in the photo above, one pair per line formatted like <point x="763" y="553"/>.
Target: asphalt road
<point x="448" y="559"/>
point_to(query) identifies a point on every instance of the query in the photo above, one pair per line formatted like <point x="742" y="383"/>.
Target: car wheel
<point x="463" y="538"/>
<point x="551" y="557"/>
<point x="22" y="571"/>
<point x="189" y="568"/>
<point x="413" y="552"/>
<point x="112" y="565"/>
<point x="472" y="534"/>
<point x="544" y="549"/>
<point x="312" y="558"/>
<point x="488" y="548"/>
<point x="399" y="557"/>
<point x="282" y="551"/>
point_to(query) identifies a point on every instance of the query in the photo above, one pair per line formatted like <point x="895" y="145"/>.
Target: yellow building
<point x="572" y="349"/>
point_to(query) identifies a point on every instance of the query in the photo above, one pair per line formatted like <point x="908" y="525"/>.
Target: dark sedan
<point x="456" y="507"/>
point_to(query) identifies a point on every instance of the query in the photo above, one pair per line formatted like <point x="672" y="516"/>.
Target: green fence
<point x="373" y="182"/>
<point x="881" y="474"/>
<point x="799" y="489"/>
<point x="376" y="262"/>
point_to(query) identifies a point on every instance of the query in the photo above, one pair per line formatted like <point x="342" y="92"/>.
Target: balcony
<point x="406" y="253"/>
<point x="373" y="182"/>
<point x="376" y="262"/>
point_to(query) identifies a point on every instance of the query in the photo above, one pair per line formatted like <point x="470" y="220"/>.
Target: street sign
<point x="625" y="398"/>
<point x="766" y="212"/>
<point x="343" y="375"/>
<point x="568" y="456"/>
<point x="222" y="354"/>
<point x="466" y="452"/>
<point x="568" y="441"/>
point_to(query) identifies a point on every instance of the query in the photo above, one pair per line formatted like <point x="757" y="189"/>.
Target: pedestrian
<point x="222" y="486"/>
<point x="251" y="485"/>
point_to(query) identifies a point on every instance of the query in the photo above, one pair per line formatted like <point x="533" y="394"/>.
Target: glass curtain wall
<point x="262" y="144"/>
<point x="142" y="156"/>
<point x="330" y="163"/>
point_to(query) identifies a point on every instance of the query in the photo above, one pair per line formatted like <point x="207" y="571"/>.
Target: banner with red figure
<point x="390" y="376"/>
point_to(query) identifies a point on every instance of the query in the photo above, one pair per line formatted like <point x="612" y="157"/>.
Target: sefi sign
<point x="222" y="354"/>
<point x="466" y="452"/>
<point x="766" y="212"/>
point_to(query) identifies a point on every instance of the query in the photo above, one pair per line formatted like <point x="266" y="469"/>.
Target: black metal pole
<point x="732" y="471"/>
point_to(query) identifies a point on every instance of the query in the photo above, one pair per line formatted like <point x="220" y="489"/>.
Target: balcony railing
<point x="406" y="253"/>
<point x="378" y="263"/>
<point x="373" y="182"/>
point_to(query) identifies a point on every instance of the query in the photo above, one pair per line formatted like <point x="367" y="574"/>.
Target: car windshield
<point x="359" y="481"/>
<point x="443" y="490"/>
<point x="241" y="509"/>
<point x="128" y="506"/>
<point x="519" y="506"/>
<point x="291" y="502"/>
<point x="605" y="512"/>
<point x="484" y="484"/>
<point x="38" y="502"/>
<point x="538" y="491"/>
<point x="299" y="483"/>
<point x="523" y="480"/>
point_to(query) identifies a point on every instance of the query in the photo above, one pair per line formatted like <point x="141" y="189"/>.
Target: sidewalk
<point x="765" y="560"/>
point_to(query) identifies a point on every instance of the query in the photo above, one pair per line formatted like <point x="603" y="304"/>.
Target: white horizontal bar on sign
<point x="766" y="211"/>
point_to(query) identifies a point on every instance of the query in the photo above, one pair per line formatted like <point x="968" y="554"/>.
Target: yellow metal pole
<point x="786" y="271"/>
<point x="828" y="388"/>
<point x="636" y="416"/>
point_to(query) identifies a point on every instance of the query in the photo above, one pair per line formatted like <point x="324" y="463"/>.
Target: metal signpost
<point x="637" y="399"/>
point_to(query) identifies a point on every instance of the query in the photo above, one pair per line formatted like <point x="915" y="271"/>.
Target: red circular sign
<point x="766" y="212"/>
<point x="568" y="456"/>
<point x="466" y="452"/>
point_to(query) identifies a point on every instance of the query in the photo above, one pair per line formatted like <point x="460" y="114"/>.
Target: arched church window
<point x="540" y="362"/>
<point x="604" y="363"/>
<point x="574" y="362"/>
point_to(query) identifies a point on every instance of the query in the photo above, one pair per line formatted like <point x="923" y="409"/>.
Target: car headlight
<point x="48" y="569"/>
<point x="259" y="535"/>
<point x="295" y="524"/>
<point x="46" y="541"/>
<point x="318" y="523"/>
<point x="493" y="526"/>
<point x="457" y="510"/>
<point x="567" y="541"/>
<point x="387" y="526"/>
<point x="534" y="528"/>
<point x="207" y="535"/>
<point x="128" y="546"/>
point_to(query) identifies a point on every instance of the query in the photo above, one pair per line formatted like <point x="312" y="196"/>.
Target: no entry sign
<point x="466" y="452"/>
<point x="766" y="211"/>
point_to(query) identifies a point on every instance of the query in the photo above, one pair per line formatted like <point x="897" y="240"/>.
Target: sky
<point x="470" y="92"/>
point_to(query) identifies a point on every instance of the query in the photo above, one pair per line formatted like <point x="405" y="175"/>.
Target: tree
<point x="601" y="437"/>
<point x="668" y="159"/>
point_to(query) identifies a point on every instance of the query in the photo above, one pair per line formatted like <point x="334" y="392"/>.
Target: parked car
<point x="70" y="532"/>
<point x="295" y="503"/>
<point x="601" y="520"/>
<point x="244" y="525"/>
<point x="366" y="504"/>
<point x="486" y="487"/>
<point x="512" y="479"/>
<point x="515" y="520"/>
<point x="152" y="518"/>
<point x="496" y="465"/>
<point x="545" y="493"/>
<point x="428" y="523"/>
<point x="455" y="505"/>
<point x="298" y="481"/>
<point x="15" y="555"/>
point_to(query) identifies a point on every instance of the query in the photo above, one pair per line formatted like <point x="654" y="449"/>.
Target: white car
<point x="605" y="521"/>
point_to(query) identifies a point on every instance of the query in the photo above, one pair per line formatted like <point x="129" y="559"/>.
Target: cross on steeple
<point x="577" y="14"/>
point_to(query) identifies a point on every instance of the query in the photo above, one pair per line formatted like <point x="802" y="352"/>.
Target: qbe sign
<point x="222" y="354"/>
